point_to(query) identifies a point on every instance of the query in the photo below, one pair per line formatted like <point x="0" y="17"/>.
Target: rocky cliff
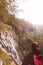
<point x="8" y="44"/>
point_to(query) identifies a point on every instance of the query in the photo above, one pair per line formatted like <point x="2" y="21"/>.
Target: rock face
<point x="9" y="44"/>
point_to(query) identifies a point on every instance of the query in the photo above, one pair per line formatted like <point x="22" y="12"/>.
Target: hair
<point x="34" y="43"/>
<point x="34" y="50"/>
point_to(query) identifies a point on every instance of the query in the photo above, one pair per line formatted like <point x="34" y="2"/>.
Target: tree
<point x="4" y="11"/>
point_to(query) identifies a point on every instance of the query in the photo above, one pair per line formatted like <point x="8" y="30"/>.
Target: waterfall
<point x="12" y="42"/>
<point x="9" y="46"/>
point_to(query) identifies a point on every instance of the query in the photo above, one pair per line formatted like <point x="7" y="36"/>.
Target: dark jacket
<point x="28" y="60"/>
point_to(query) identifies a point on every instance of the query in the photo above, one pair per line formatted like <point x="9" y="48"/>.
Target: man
<point x="35" y="57"/>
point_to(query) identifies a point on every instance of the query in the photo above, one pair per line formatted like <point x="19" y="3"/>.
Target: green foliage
<point x="39" y="37"/>
<point x="6" y="62"/>
<point x="6" y="59"/>
<point x="4" y="14"/>
<point x="2" y="3"/>
<point x="30" y="37"/>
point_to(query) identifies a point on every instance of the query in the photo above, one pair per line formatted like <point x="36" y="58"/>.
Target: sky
<point x="31" y="11"/>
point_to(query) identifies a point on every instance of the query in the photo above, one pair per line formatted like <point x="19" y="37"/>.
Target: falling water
<point x="9" y="46"/>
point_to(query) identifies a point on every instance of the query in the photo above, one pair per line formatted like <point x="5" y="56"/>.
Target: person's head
<point x="36" y="48"/>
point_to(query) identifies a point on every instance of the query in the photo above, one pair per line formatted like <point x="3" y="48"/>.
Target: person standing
<point x="35" y="57"/>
